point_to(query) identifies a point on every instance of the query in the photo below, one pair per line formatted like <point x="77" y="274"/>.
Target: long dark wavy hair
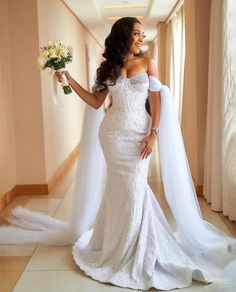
<point x="117" y="45"/>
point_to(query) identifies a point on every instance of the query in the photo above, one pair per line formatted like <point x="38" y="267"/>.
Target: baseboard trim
<point x="199" y="190"/>
<point x="35" y="189"/>
<point x="39" y="189"/>
<point x="6" y="198"/>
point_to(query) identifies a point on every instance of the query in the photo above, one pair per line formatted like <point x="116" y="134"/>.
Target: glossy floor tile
<point x="35" y="203"/>
<point x="11" y="268"/>
<point x="62" y="281"/>
<point x="212" y="217"/>
<point x="8" y="280"/>
<point x="51" y="258"/>
<point x="16" y="250"/>
<point x="13" y="263"/>
<point x="230" y="224"/>
<point x="67" y="202"/>
<point x="63" y="215"/>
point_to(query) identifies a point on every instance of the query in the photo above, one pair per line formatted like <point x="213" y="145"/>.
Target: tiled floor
<point x="46" y="268"/>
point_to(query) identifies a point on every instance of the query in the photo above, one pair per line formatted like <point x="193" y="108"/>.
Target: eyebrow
<point x="138" y="31"/>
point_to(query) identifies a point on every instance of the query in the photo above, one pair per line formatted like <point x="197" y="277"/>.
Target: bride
<point x="118" y="229"/>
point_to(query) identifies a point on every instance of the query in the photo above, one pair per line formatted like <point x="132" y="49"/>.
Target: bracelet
<point x="156" y="130"/>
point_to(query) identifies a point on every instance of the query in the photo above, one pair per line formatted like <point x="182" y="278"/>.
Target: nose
<point x="140" y="41"/>
<point x="141" y="37"/>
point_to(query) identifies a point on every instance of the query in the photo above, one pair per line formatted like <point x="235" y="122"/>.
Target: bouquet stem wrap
<point x="64" y="82"/>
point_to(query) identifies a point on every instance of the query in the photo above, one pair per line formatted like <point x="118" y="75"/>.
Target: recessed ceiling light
<point x="124" y="6"/>
<point x="118" y="17"/>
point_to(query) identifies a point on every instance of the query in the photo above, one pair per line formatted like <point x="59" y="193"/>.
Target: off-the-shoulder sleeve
<point x="97" y="87"/>
<point x="154" y="83"/>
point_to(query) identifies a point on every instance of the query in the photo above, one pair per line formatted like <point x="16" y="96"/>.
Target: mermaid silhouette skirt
<point x="131" y="243"/>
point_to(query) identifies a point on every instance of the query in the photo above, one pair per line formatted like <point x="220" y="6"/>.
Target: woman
<point x="131" y="243"/>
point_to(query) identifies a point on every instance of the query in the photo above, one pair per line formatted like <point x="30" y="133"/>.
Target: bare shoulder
<point x="151" y="66"/>
<point x="143" y="62"/>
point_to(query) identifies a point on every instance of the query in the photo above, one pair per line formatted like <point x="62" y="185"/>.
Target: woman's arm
<point x="93" y="99"/>
<point x="155" y="101"/>
<point x="154" y="96"/>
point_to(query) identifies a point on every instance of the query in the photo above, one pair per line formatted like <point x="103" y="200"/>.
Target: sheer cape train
<point x="201" y="240"/>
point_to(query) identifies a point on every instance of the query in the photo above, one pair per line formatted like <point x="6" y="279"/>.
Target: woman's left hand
<point x="148" y="142"/>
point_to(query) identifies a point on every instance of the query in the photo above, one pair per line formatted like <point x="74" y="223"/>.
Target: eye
<point x="138" y="34"/>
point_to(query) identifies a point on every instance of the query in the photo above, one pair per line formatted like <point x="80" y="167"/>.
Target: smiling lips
<point x="138" y="45"/>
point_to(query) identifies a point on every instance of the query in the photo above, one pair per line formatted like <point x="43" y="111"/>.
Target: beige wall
<point x="197" y="18"/>
<point x="36" y="135"/>
<point x="7" y="140"/>
<point x="26" y="93"/>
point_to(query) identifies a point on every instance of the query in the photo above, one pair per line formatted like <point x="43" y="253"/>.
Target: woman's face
<point x="138" y="36"/>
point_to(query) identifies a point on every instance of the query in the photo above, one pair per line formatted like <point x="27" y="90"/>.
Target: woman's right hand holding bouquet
<point x="60" y="75"/>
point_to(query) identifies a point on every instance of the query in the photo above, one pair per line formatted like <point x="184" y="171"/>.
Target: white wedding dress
<point x="121" y="235"/>
<point x="131" y="243"/>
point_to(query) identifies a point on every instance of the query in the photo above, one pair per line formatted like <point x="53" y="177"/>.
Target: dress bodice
<point x="128" y="113"/>
<point x="130" y="93"/>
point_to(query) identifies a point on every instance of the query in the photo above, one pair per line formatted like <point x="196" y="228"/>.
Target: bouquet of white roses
<point x="55" y="56"/>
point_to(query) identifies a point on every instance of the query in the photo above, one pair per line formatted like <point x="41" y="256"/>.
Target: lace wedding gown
<point x="131" y="243"/>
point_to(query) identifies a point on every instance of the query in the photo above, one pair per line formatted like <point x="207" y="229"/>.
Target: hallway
<point x="41" y="128"/>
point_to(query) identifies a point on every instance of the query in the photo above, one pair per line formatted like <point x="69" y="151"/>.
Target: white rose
<point x="52" y="53"/>
<point x="41" y="61"/>
<point x="50" y="43"/>
<point x="45" y="53"/>
<point x="64" y="52"/>
<point x="57" y="43"/>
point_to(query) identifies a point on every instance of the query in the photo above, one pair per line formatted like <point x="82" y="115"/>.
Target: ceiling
<point x="96" y="14"/>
